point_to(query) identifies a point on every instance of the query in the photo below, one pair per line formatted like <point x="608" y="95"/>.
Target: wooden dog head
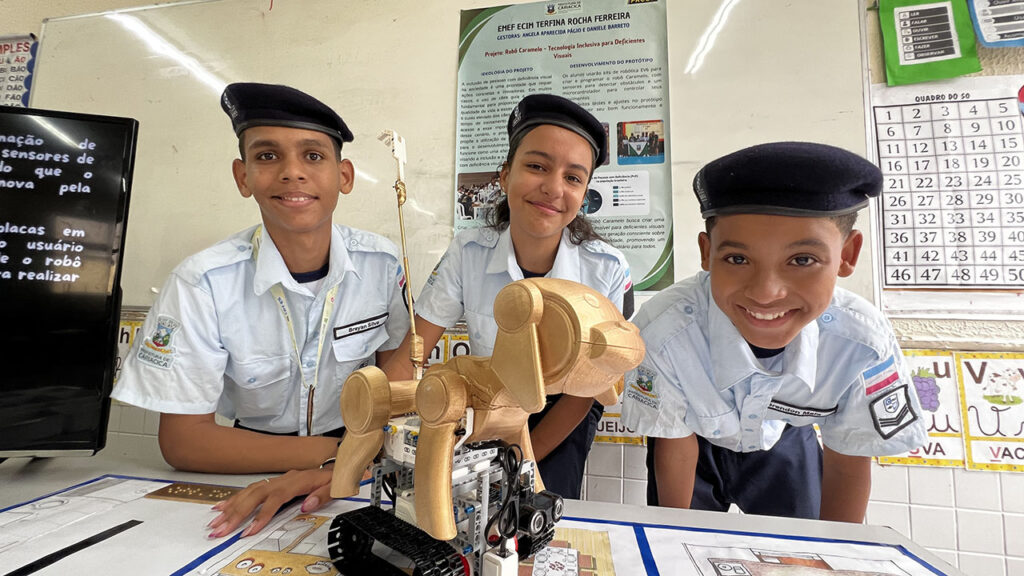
<point x="557" y="336"/>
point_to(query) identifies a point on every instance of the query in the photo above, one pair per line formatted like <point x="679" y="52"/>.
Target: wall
<point x="974" y="520"/>
<point x="153" y="64"/>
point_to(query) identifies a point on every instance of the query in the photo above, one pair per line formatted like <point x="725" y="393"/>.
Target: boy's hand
<point x="267" y="496"/>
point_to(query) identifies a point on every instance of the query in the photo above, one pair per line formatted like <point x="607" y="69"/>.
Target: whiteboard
<point x="741" y="72"/>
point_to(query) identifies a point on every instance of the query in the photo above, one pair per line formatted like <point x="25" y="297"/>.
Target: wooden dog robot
<point x="554" y="336"/>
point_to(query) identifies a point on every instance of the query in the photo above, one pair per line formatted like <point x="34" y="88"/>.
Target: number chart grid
<point x="953" y="196"/>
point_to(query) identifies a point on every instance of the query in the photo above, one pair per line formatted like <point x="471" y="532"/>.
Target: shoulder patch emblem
<point x="433" y="273"/>
<point x="881" y="376"/>
<point x="640" y="387"/>
<point x="891" y="412"/>
<point x="156" y="350"/>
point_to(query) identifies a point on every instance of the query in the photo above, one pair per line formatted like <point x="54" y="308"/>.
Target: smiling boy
<point x="744" y="357"/>
<point x="264" y="327"/>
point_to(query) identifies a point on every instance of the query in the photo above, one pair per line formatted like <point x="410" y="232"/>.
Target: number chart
<point x="952" y="203"/>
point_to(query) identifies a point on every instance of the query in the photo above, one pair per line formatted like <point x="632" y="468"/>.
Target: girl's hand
<point x="267" y="496"/>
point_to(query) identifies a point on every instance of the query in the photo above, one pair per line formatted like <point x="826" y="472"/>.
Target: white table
<point x="24" y="479"/>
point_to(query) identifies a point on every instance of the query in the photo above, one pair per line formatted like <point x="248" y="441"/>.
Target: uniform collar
<point x="271" y="269"/>
<point x="566" y="265"/>
<point x="733" y="361"/>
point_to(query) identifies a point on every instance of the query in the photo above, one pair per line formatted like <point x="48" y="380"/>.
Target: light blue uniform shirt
<point x="481" y="261"/>
<point x="843" y="372"/>
<point x="216" y="341"/>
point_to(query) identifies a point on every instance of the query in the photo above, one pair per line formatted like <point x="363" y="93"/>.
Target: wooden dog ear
<point x="616" y="346"/>
<point x="517" y="311"/>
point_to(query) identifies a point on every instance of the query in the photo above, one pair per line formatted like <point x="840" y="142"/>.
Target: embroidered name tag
<point x="360" y="326"/>
<point x="891" y="412"/>
<point x="801" y="411"/>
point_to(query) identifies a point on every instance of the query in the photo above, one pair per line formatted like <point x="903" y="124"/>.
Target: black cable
<point x="388" y="483"/>
<point x="63" y="553"/>
<point x="507" y="516"/>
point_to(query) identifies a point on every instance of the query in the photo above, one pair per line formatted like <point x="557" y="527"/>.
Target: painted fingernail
<point x="310" y="503"/>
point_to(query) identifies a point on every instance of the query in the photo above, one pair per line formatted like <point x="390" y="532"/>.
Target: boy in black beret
<point x="743" y="358"/>
<point x="264" y="327"/>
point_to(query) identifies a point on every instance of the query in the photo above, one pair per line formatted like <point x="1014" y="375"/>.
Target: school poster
<point x="610" y="57"/>
<point x="933" y="373"/>
<point x="17" y="61"/>
<point x="992" y="386"/>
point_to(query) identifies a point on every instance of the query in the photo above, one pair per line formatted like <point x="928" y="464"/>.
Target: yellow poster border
<point x="923" y="461"/>
<point x="969" y="439"/>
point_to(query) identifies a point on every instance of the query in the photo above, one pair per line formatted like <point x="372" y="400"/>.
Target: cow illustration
<point x="1003" y="387"/>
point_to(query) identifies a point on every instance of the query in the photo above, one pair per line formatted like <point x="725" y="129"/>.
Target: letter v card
<point x="992" y="386"/>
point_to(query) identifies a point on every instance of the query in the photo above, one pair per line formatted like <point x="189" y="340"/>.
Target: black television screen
<point x="64" y="186"/>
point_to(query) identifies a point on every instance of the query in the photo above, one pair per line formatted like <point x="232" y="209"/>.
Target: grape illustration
<point x="927" y="389"/>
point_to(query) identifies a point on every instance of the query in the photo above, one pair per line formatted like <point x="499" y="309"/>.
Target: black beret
<point x="252" y="104"/>
<point x="787" y="178"/>
<point x="537" y="109"/>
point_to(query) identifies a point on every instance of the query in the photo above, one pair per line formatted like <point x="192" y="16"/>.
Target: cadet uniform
<point x="752" y="409"/>
<point x="700" y="376"/>
<point x="480" y="262"/>
<point x="216" y="340"/>
<point x="477" y="265"/>
<point x="234" y="332"/>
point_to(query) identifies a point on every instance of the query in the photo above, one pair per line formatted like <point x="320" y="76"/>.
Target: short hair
<point x="241" y="147"/>
<point x="844" y="222"/>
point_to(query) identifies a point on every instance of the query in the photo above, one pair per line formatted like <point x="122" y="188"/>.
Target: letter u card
<point x="933" y="373"/>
